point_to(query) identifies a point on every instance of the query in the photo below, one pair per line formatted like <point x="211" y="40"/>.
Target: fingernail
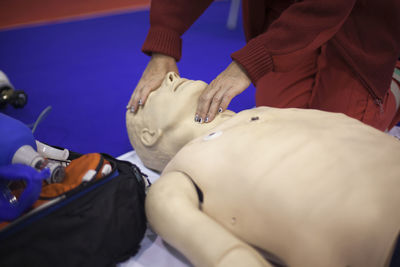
<point x="220" y="110"/>
<point x="140" y="102"/>
<point x="196" y="118"/>
<point x="206" y="120"/>
<point x="201" y="120"/>
<point x="132" y="109"/>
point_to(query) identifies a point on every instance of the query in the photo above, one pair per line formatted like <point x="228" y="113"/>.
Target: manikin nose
<point x="174" y="81"/>
<point x="172" y="76"/>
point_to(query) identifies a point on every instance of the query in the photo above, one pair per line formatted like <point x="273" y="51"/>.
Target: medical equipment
<point x="19" y="146"/>
<point x="8" y="95"/>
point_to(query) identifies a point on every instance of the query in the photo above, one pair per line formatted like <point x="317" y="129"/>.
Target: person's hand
<point x="151" y="79"/>
<point x="219" y="93"/>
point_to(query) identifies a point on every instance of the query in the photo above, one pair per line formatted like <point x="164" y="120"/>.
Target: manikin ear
<point x="150" y="137"/>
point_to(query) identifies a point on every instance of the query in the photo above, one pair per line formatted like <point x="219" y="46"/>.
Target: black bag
<point x="99" y="223"/>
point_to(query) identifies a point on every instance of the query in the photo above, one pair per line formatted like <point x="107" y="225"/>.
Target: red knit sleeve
<point x="169" y="19"/>
<point x="301" y="28"/>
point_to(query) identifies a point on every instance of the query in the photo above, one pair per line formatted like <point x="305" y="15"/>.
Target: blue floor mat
<point x="87" y="69"/>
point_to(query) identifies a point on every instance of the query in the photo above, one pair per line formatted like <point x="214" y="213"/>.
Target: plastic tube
<point x="51" y="152"/>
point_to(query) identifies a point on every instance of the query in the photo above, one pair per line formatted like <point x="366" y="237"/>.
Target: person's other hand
<point x="152" y="77"/>
<point x="219" y="93"/>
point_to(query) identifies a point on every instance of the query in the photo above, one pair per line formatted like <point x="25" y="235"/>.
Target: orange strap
<point x="74" y="174"/>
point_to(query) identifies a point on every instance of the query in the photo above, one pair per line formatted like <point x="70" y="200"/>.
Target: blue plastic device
<point x="11" y="207"/>
<point x="13" y="135"/>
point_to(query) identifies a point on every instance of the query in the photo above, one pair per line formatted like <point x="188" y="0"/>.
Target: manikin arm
<point x="172" y="208"/>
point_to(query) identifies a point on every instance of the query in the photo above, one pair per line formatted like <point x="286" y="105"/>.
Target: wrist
<point x="162" y="57"/>
<point x="163" y="63"/>
<point x="241" y="70"/>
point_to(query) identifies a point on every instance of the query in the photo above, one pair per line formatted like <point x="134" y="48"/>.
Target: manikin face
<point x="166" y="122"/>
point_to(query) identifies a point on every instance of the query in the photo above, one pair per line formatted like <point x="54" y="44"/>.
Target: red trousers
<point x="324" y="82"/>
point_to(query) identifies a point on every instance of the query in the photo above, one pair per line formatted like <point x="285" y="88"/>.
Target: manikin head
<point x="166" y="122"/>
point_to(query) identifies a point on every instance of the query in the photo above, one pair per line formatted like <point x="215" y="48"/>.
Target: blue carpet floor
<point x="87" y="69"/>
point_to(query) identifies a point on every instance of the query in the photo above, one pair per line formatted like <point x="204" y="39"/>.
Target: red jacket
<point x="363" y="33"/>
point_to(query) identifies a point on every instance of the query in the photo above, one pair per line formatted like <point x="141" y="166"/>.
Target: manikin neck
<point x="206" y="127"/>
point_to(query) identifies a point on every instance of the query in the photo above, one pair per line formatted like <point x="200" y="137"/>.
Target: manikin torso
<point x="307" y="192"/>
<point x="313" y="188"/>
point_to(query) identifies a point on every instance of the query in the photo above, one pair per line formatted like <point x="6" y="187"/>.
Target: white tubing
<point x="27" y="155"/>
<point x="51" y="152"/>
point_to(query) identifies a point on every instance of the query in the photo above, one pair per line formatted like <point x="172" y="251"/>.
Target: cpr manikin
<point x="164" y="125"/>
<point x="311" y="188"/>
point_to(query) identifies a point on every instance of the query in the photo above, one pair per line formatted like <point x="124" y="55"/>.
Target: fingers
<point x="219" y="93"/>
<point x="133" y="102"/>
<point x="214" y="100"/>
<point x="220" y="103"/>
<point x="141" y="93"/>
<point x="136" y="99"/>
<point x="205" y="101"/>
<point x="152" y="77"/>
